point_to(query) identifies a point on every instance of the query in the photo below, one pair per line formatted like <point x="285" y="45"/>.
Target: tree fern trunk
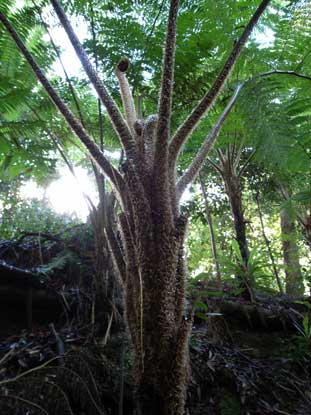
<point x="233" y="190"/>
<point x="158" y="326"/>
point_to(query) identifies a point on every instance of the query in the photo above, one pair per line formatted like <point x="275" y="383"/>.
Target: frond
<point x="277" y="118"/>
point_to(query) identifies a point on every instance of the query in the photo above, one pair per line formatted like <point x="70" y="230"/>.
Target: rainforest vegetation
<point x="185" y="287"/>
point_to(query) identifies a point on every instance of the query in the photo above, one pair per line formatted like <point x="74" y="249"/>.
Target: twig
<point x="59" y="343"/>
<point x="25" y="401"/>
<point x="7" y="355"/>
<point x="268" y="245"/>
<point x="71" y="88"/>
<point x="105" y="339"/>
<point x="21" y="375"/>
<point x="154" y="22"/>
<point x="211" y="228"/>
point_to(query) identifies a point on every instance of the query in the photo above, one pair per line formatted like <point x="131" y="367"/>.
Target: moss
<point x="229" y="404"/>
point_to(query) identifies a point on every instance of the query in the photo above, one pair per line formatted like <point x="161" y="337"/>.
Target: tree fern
<point x="277" y="115"/>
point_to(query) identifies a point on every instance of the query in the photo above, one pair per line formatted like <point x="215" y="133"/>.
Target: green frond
<point x="277" y="117"/>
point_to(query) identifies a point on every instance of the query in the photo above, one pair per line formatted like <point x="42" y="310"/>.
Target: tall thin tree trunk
<point x="233" y="190"/>
<point x="294" y="283"/>
<point x="306" y="228"/>
<point x="212" y="233"/>
<point x="268" y="245"/>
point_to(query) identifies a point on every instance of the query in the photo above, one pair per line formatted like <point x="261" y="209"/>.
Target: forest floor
<point x="248" y="364"/>
<point x="246" y="358"/>
<point x="237" y="367"/>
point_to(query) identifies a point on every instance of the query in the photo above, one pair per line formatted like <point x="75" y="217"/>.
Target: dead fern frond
<point x="79" y="363"/>
<point x="78" y="391"/>
<point x="23" y="404"/>
<point x="43" y="391"/>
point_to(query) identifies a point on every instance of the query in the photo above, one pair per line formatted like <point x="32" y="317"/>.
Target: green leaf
<point x="305" y="303"/>
<point x="305" y="323"/>
<point x="303" y="197"/>
<point x="252" y="255"/>
<point x="236" y="250"/>
<point x="200" y="277"/>
<point x="211" y="293"/>
<point x="202" y="316"/>
<point x="201" y="305"/>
